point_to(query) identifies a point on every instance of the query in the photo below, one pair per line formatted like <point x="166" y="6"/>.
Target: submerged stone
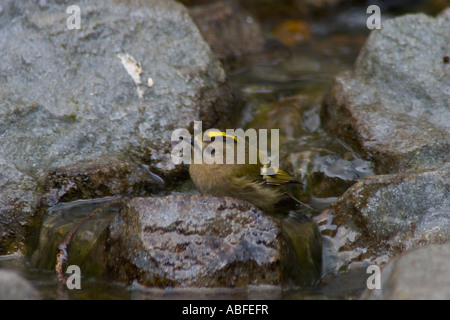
<point x="60" y="220"/>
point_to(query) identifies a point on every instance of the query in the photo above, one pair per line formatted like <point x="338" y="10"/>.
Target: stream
<point x="283" y="88"/>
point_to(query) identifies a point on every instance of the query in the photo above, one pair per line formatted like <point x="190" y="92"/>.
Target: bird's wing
<point x="280" y="178"/>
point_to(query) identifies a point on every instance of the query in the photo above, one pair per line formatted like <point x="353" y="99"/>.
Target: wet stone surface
<point x="59" y="221"/>
<point x="416" y="275"/>
<point x="153" y="241"/>
<point x="13" y="286"/>
<point x="67" y="98"/>
<point x="393" y="106"/>
<point x="181" y="241"/>
<point x="203" y="241"/>
<point x="384" y="215"/>
<point x="99" y="178"/>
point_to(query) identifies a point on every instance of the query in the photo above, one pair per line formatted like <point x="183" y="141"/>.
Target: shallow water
<point x="307" y="152"/>
<point x="283" y="89"/>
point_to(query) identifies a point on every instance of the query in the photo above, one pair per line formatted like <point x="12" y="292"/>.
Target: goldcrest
<point x="240" y="181"/>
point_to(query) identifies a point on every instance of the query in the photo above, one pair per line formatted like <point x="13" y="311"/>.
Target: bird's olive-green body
<point x="241" y="181"/>
<point x="234" y="180"/>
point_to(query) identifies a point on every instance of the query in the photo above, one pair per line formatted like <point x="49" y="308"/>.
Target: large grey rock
<point x="66" y="98"/>
<point x="15" y="287"/>
<point x="181" y="241"/>
<point x="416" y="275"/>
<point x="207" y="241"/>
<point x="384" y="215"/>
<point x="394" y="104"/>
<point x="70" y="91"/>
<point x="194" y="241"/>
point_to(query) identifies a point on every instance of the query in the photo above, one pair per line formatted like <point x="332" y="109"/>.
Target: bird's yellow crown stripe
<point x="214" y="133"/>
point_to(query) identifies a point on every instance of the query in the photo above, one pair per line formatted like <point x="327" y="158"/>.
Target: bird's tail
<point x="289" y="193"/>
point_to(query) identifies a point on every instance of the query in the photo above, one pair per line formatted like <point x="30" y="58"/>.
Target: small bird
<point x="241" y="181"/>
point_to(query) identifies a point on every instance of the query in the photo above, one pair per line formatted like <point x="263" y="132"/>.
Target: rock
<point x="190" y="241"/>
<point x="393" y="105"/>
<point x="384" y="215"/>
<point x="68" y="98"/>
<point x="199" y="241"/>
<point x="15" y="287"/>
<point x="99" y="178"/>
<point x="193" y="241"/>
<point x="18" y="200"/>
<point x="420" y="274"/>
<point x="231" y="32"/>
<point x="188" y="82"/>
<point x="60" y="219"/>
<point x="328" y="174"/>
